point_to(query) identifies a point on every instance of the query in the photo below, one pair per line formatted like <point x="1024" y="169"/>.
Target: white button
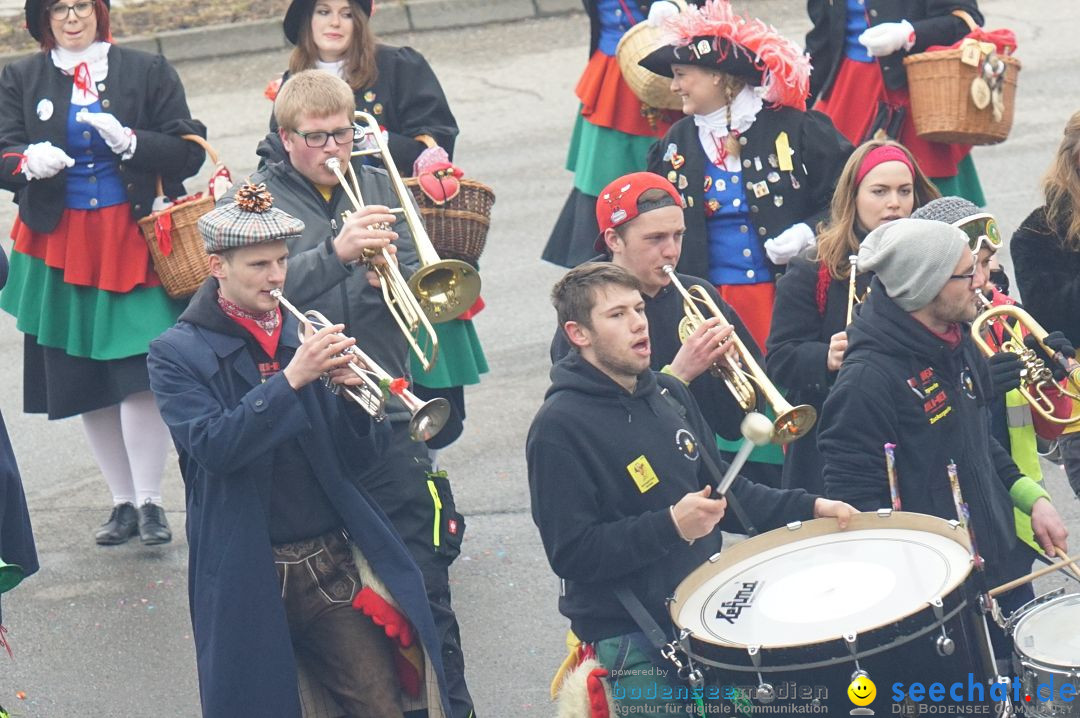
<point x="735" y="178"/>
<point x="749" y="273"/>
<point x="743" y="228"/>
<point x="746" y="253"/>
<point x="86" y="134"/>
<point x="736" y="202"/>
<point x="93" y="202"/>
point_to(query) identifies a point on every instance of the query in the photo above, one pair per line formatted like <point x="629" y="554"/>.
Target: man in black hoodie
<point x="619" y="489"/>
<point x="913" y="377"/>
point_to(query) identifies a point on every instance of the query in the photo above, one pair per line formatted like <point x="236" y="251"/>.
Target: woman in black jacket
<point x="1046" y="257"/>
<point x="858" y="47"/>
<point x="880" y="182"/>
<point x="86" y="128"/>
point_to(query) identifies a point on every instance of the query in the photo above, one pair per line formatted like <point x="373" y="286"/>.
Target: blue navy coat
<point x="226" y="423"/>
<point x="16" y="536"/>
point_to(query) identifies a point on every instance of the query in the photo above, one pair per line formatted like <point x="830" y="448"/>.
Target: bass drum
<point x="1046" y="651"/>
<point x="789" y="616"/>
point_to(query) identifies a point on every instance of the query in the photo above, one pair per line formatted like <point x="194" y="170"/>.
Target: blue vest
<point x="735" y="254"/>
<point x="614" y="23"/>
<point x="93" y="182"/>
<point x="856" y="24"/>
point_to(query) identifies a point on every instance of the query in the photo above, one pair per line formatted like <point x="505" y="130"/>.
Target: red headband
<point x="878" y="155"/>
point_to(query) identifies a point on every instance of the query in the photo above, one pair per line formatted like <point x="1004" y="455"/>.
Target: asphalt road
<point x="105" y="631"/>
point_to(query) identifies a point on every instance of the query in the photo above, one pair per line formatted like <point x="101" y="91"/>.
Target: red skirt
<point x="753" y="303"/>
<point x="852" y="105"/>
<point x="100" y="248"/>
<point x="607" y="101"/>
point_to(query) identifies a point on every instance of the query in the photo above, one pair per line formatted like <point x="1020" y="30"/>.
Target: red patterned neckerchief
<point x="265" y="327"/>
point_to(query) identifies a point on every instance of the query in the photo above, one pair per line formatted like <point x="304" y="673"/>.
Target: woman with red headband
<point x="880" y="182"/>
<point x="86" y="130"/>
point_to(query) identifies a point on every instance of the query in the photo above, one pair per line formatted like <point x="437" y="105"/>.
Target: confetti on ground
<point x="21" y="695"/>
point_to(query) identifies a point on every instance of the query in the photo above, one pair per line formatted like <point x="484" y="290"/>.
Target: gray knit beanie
<point x="913" y="258"/>
<point x="949" y="210"/>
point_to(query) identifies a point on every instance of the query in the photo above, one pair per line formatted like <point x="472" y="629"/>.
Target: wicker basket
<point x="941" y="104"/>
<point x="183" y="266"/>
<point x="458" y="228"/>
<point x="652" y="89"/>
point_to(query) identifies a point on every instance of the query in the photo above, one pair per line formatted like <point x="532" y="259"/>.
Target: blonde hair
<point x="314" y="93"/>
<point x="836" y="239"/>
<point x="1062" y="186"/>
<point x="360" y="69"/>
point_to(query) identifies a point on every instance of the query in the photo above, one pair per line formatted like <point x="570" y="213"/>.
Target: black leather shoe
<point x="153" y="526"/>
<point x="123" y="523"/>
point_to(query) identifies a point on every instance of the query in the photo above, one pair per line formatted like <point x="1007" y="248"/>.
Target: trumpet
<point x="748" y="384"/>
<point x="428" y="418"/>
<point x="1035" y="377"/>
<point x="445" y="288"/>
<point x="401" y="302"/>
<point x="853" y="260"/>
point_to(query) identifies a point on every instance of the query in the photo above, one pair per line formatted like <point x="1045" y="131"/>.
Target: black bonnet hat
<point x="33" y="17"/>
<point x="299" y="9"/>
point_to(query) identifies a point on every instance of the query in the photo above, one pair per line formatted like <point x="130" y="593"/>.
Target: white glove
<point x="887" y="38"/>
<point x="789" y="243"/>
<point x="660" y="11"/>
<point x="44" y="160"/>
<point x="120" y="139"/>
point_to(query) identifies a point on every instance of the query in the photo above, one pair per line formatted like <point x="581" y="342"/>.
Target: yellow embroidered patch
<point x="642" y="473"/>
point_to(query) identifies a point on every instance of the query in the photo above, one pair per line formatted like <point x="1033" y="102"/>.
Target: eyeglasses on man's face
<point x="82" y="10"/>
<point x="317" y="140"/>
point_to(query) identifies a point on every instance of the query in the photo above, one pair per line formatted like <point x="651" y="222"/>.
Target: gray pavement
<point x="105" y="631"/>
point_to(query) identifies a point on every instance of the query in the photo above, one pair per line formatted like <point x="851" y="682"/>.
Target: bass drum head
<point x="793" y="589"/>
<point x="1050" y="633"/>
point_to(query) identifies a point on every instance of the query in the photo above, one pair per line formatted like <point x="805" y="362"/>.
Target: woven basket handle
<point x="214" y="157"/>
<point x="966" y="17"/>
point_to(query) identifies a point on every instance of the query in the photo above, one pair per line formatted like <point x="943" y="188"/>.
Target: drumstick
<point x="1072" y="564"/>
<point x="1060" y="566"/>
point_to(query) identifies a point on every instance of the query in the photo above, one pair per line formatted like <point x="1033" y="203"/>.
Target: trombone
<point x="749" y="384"/>
<point x="427" y="417"/>
<point x="445" y="288"/>
<point x="403" y="306"/>
<point x="1035" y="377"/>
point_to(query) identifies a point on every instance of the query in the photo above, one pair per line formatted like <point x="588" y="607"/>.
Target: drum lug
<point x="1004" y="709"/>
<point x="852" y="642"/>
<point x="884" y="513"/>
<point x="715" y="557"/>
<point x="944" y="645"/>
<point x="794" y="526"/>
<point x="765" y="693"/>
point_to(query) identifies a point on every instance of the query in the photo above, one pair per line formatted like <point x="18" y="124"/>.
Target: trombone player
<point x="268" y="458"/>
<point x="641" y="221"/>
<point x="314" y="113"/>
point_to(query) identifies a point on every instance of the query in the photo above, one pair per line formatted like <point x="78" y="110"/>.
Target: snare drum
<point x="809" y="605"/>
<point x="1046" y="651"/>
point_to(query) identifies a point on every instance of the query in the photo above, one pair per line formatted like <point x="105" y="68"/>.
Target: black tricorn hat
<point x="299" y="9"/>
<point x="33" y="17"/>
<point x="713" y="53"/>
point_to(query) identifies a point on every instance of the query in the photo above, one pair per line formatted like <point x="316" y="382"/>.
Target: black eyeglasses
<point x="60" y="11"/>
<point x="318" y="140"/>
<point x="981" y="229"/>
<point x="970" y="276"/>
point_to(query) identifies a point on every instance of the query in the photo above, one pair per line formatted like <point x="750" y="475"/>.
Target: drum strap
<point x="642" y="618"/>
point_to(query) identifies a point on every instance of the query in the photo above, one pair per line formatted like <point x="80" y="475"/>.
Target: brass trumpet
<point x="1035" y="377"/>
<point x="428" y="418"/>
<point x="746" y="384"/>
<point x="401" y="302"/>
<point x="446" y="288"/>
<point x="852" y="300"/>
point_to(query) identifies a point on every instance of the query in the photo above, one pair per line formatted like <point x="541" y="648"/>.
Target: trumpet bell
<point x="445" y="289"/>
<point x="793" y="423"/>
<point x="429" y="419"/>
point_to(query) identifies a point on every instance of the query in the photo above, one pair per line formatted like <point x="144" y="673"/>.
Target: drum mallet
<point x="757" y="430"/>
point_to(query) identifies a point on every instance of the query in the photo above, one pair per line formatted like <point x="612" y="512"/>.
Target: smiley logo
<point x="862" y="690"/>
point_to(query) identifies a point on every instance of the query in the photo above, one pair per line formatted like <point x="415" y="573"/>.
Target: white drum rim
<point x="1040" y="662"/>
<point x="799" y="531"/>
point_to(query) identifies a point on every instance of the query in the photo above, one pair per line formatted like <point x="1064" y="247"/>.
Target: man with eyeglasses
<point x="328" y="272"/>
<point x="913" y="377"/>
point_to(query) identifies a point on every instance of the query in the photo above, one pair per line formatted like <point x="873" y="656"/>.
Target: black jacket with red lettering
<point x="605" y="465"/>
<point x="902" y="384"/>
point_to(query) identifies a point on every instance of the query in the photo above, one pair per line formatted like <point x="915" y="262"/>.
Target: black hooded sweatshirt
<point x="901" y="383"/>
<point x="605" y="465"/>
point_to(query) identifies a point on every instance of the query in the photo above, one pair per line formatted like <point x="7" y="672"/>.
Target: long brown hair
<point x="48" y="40"/>
<point x="360" y="70"/>
<point x="1062" y="186"/>
<point x="836" y="239"/>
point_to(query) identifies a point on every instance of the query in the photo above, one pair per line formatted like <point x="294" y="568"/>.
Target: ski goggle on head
<point x="981" y="229"/>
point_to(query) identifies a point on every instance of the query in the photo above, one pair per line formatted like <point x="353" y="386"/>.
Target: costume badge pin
<point x="670" y="152"/>
<point x="773" y="177"/>
<point x="682" y="182"/>
<point x="678" y="161"/>
<point x="778" y="200"/>
<point x="672" y="177"/>
<point x="761" y="189"/>
<point x="44" y="110"/>
<point x="721" y="185"/>
<point x="708" y="183"/>
<point x="377" y="108"/>
<point x="369" y="96"/>
<point x="967" y="384"/>
<point x="618" y="215"/>
<point x="757" y="164"/>
<point x="686" y="444"/>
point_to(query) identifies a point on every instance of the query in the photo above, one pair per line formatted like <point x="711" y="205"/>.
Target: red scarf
<point x="265" y="327"/>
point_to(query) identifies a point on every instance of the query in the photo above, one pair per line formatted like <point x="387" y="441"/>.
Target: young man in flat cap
<point x="913" y="377"/>
<point x="641" y="230"/>
<point x="327" y="272"/>
<point x="619" y="485"/>
<point x="278" y="531"/>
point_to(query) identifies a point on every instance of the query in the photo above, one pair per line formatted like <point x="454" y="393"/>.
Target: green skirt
<point x="965" y="183"/>
<point x="461" y="358"/>
<point x="599" y="154"/>
<point x="84" y="321"/>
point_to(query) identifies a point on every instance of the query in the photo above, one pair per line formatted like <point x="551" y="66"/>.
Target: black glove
<point x="1005" y="370"/>
<point x="1056" y="342"/>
